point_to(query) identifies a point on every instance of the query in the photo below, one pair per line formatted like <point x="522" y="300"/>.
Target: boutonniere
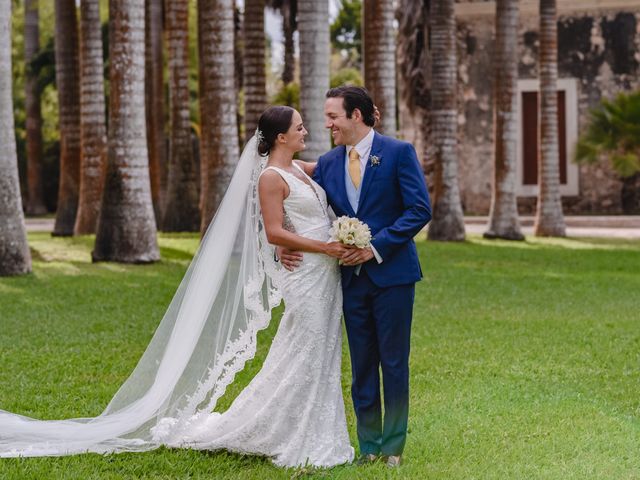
<point x="375" y="160"/>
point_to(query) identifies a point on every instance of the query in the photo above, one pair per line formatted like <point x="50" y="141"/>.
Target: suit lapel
<point x="371" y="170"/>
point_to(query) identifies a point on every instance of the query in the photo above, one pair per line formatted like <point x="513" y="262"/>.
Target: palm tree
<point x="218" y="110"/>
<point x="35" y="198"/>
<point x="67" y="80"/>
<point x="313" y="29"/>
<point x="503" y="216"/>
<point x="380" y="59"/>
<point x="238" y="47"/>
<point x="414" y="61"/>
<point x="549" y="218"/>
<point x="181" y="209"/>
<point x="154" y="92"/>
<point x="126" y="228"/>
<point x="254" y="82"/>
<point x="613" y="133"/>
<point x="15" y="258"/>
<point x="447" y="222"/>
<point x="93" y="130"/>
<point x="287" y="9"/>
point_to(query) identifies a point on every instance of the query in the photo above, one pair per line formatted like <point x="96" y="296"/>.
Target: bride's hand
<point x="336" y="249"/>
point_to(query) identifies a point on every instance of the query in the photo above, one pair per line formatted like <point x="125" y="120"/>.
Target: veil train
<point x="205" y="337"/>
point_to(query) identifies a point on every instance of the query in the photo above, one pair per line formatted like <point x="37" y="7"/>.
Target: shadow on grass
<point x="171" y="463"/>
<point x="168" y="254"/>
<point x="44" y="248"/>
<point x="572" y="243"/>
<point x="582" y="260"/>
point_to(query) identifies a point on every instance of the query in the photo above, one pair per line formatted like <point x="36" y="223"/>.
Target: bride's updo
<point x="273" y="121"/>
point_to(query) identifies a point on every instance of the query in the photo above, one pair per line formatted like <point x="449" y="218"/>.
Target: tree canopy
<point x="345" y="29"/>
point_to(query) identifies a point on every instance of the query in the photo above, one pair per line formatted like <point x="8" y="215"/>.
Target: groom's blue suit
<point x="378" y="297"/>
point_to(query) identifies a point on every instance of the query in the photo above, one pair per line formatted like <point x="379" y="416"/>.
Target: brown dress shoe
<point x="394" y="461"/>
<point x="367" y="459"/>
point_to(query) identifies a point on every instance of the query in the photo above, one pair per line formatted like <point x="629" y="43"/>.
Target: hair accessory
<point x="259" y="135"/>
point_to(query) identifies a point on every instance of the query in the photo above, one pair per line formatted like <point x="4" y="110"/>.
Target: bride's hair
<point x="273" y="121"/>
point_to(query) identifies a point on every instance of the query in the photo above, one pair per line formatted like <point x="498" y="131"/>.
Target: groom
<point x="378" y="180"/>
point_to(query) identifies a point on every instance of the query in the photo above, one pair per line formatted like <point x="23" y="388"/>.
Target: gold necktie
<point x="354" y="167"/>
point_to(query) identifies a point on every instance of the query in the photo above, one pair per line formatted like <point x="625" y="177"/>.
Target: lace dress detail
<point x="293" y="409"/>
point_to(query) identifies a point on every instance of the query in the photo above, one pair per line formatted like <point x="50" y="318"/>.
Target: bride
<point x="292" y="411"/>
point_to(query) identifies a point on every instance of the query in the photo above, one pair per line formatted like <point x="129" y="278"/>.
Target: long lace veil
<point x="205" y="337"/>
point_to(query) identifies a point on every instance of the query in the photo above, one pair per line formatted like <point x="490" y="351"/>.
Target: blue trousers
<point x="378" y="323"/>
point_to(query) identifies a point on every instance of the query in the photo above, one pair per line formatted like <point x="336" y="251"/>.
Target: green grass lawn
<point x="525" y="360"/>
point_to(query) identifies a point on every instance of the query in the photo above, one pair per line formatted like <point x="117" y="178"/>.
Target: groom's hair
<point x="355" y="97"/>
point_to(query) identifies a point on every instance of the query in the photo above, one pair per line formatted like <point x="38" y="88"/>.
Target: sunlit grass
<point x="525" y="360"/>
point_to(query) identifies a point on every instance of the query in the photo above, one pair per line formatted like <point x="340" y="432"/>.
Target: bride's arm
<point x="272" y="190"/>
<point x="308" y="167"/>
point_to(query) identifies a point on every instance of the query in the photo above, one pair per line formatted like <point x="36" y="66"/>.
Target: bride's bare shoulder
<point x="271" y="178"/>
<point x="271" y="182"/>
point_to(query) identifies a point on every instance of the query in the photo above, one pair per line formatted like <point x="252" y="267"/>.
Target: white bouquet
<point x="350" y="231"/>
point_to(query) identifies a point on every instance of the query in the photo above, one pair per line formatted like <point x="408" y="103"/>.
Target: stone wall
<point x="601" y="49"/>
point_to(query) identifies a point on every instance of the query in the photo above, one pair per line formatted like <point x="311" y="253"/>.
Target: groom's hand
<point x="376" y="116"/>
<point x="357" y="256"/>
<point x="289" y="259"/>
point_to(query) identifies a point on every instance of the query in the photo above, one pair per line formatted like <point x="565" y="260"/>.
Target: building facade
<point x="598" y="56"/>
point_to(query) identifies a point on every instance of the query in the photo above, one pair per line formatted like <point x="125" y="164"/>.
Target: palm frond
<point x="626" y="164"/>
<point x="613" y="132"/>
<point x="586" y="152"/>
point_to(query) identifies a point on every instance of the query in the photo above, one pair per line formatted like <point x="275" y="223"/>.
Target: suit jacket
<point x="394" y="202"/>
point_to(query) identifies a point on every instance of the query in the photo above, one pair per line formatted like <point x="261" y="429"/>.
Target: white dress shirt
<point x="363" y="147"/>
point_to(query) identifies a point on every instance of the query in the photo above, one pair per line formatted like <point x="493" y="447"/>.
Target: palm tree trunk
<point x="549" y="218"/>
<point x="503" y="216"/>
<point x="15" y="258"/>
<point x="35" y="198"/>
<point x="288" y="11"/>
<point x="218" y="110"/>
<point x="380" y="59"/>
<point x="181" y="210"/>
<point x="126" y="228"/>
<point x="93" y="130"/>
<point x="313" y="29"/>
<point x="414" y="80"/>
<point x="448" y="222"/>
<point x="154" y="92"/>
<point x="630" y="194"/>
<point x="67" y="79"/>
<point x="238" y="44"/>
<point x="255" y="90"/>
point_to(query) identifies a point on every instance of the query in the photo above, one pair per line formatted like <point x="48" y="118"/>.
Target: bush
<point x="288" y="95"/>
<point x="347" y="76"/>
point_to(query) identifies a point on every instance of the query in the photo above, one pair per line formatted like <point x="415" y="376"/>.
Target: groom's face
<point x="335" y="119"/>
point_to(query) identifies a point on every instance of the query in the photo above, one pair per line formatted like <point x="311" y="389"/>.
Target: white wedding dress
<point x="292" y="411"/>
